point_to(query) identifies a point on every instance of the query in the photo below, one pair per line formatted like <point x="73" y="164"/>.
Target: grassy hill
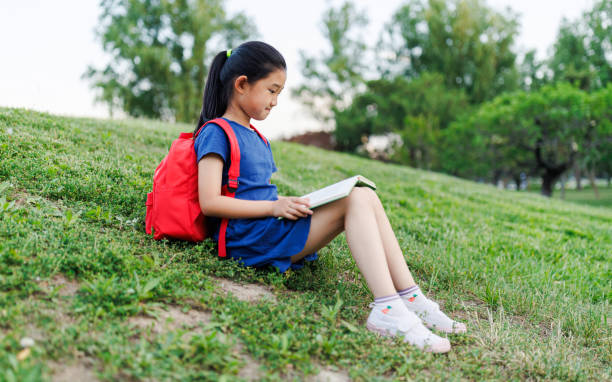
<point x="587" y="196"/>
<point x="98" y="298"/>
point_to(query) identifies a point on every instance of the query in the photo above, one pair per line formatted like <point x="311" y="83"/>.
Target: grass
<point x="531" y="276"/>
<point x="587" y="196"/>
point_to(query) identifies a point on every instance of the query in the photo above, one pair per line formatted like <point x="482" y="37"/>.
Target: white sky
<point x="47" y="45"/>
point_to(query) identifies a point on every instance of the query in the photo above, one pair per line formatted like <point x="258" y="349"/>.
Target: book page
<point x="363" y="181"/>
<point x="333" y="191"/>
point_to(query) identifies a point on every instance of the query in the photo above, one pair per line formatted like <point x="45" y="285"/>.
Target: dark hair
<point x="254" y="59"/>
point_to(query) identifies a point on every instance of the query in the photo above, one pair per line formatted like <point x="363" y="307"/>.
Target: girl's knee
<point x="375" y="199"/>
<point x="364" y="195"/>
<point x="358" y="195"/>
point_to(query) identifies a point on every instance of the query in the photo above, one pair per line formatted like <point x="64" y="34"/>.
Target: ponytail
<point x="254" y="59"/>
<point x="216" y="98"/>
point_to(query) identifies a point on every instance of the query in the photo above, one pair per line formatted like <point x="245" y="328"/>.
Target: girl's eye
<point x="271" y="91"/>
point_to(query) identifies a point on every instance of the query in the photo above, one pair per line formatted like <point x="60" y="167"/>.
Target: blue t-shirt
<point x="254" y="241"/>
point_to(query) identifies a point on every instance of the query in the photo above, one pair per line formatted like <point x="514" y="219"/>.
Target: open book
<point x="337" y="190"/>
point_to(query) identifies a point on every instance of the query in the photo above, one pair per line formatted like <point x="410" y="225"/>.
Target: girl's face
<point x="257" y="99"/>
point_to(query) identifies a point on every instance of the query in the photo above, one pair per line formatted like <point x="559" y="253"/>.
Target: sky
<point x="47" y="45"/>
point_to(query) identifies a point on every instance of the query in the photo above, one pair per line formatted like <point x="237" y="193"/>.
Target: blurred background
<point x="514" y="93"/>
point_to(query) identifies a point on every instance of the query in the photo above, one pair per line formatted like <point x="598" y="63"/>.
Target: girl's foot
<point x="387" y="321"/>
<point x="429" y="311"/>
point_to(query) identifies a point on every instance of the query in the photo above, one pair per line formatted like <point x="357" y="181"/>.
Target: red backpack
<point x="173" y="207"/>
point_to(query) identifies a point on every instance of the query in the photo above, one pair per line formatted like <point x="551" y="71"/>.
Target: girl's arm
<point x="212" y="203"/>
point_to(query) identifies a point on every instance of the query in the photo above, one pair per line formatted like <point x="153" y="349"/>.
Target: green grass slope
<point x="530" y="276"/>
<point x="587" y="196"/>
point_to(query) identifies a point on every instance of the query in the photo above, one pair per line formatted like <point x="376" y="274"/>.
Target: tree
<point x="559" y="117"/>
<point x="598" y="153"/>
<point x="570" y="61"/>
<point x="533" y="73"/>
<point x="582" y="55"/>
<point x="333" y="77"/>
<point x="159" y="50"/>
<point x="466" y="41"/>
<point x="599" y="41"/>
<point x="489" y="143"/>
<point x="416" y="109"/>
<point x="541" y="132"/>
<point x="583" y="49"/>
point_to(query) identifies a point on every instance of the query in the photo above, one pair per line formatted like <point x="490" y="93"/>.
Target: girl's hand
<point x="291" y="207"/>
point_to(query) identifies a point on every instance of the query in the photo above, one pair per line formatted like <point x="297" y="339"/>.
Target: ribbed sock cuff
<point x="406" y="291"/>
<point x="380" y="300"/>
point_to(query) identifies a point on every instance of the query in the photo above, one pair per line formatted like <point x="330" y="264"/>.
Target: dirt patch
<point x="246" y="292"/>
<point x="34" y="332"/>
<point x="170" y="319"/>
<point x="174" y="318"/>
<point x="20" y="201"/>
<point x="61" y="315"/>
<point x="327" y="375"/>
<point x="81" y="371"/>
<point x="324" y="375"/>
<point x="250" y="371"/>
<point x="472" y="309"/>
<point x="61" y="285"/>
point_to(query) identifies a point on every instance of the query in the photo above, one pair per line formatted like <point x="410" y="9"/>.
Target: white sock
<point x="429" y="311"/>
<point x="390" y="316"/>
<point x="391" y="305"/>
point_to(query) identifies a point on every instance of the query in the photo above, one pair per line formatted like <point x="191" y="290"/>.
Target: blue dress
<point x="262" y="241"/>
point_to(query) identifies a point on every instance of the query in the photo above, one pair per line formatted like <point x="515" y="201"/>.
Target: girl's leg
<point x="360" y="214"/>
<point x="328" y="222"/>
<point x="402" y="278"/>
<point x="356" y="215"/>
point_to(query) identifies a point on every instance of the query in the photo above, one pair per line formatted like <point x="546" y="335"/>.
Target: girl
<point x="244" y="84"/>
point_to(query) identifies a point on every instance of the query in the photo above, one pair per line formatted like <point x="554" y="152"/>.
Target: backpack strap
<point x="260" y="134"/>
<point x="233" y="173"/>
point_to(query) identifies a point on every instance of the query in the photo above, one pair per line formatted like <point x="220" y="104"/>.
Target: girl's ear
<point x="241" y="84"/>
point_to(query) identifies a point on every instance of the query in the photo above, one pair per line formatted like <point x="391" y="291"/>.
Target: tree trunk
<point x="551" y="172"/>
<point x="578" y="176"/>
<point x="517" y="181"/>
<point x="548" y="183"/>
<point x="593" y="183"/>
<point x="562" y="186"/>
<point x="496" y="175"/>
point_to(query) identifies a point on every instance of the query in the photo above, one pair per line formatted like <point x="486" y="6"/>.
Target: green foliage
<point x="417" y="110"/>
<point x="332" y="77"/>
<point x="540" y="132"/>
<point x="159" y="52"/>
<point x="597" y="155"/>
<point x="533" y="72"/>
<point x="205" y="356"/>
<point x="435" y="57"/>
<point x="531" y="276"/>
<point x="465" y="40"/>
<point x="570" y="61"/>
<point x="583" y="50"/>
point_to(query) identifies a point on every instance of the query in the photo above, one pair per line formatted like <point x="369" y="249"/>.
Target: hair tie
<point x="229" y="52"/>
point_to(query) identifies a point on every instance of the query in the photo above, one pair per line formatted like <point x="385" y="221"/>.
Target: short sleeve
<point x="212" y="139"/>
